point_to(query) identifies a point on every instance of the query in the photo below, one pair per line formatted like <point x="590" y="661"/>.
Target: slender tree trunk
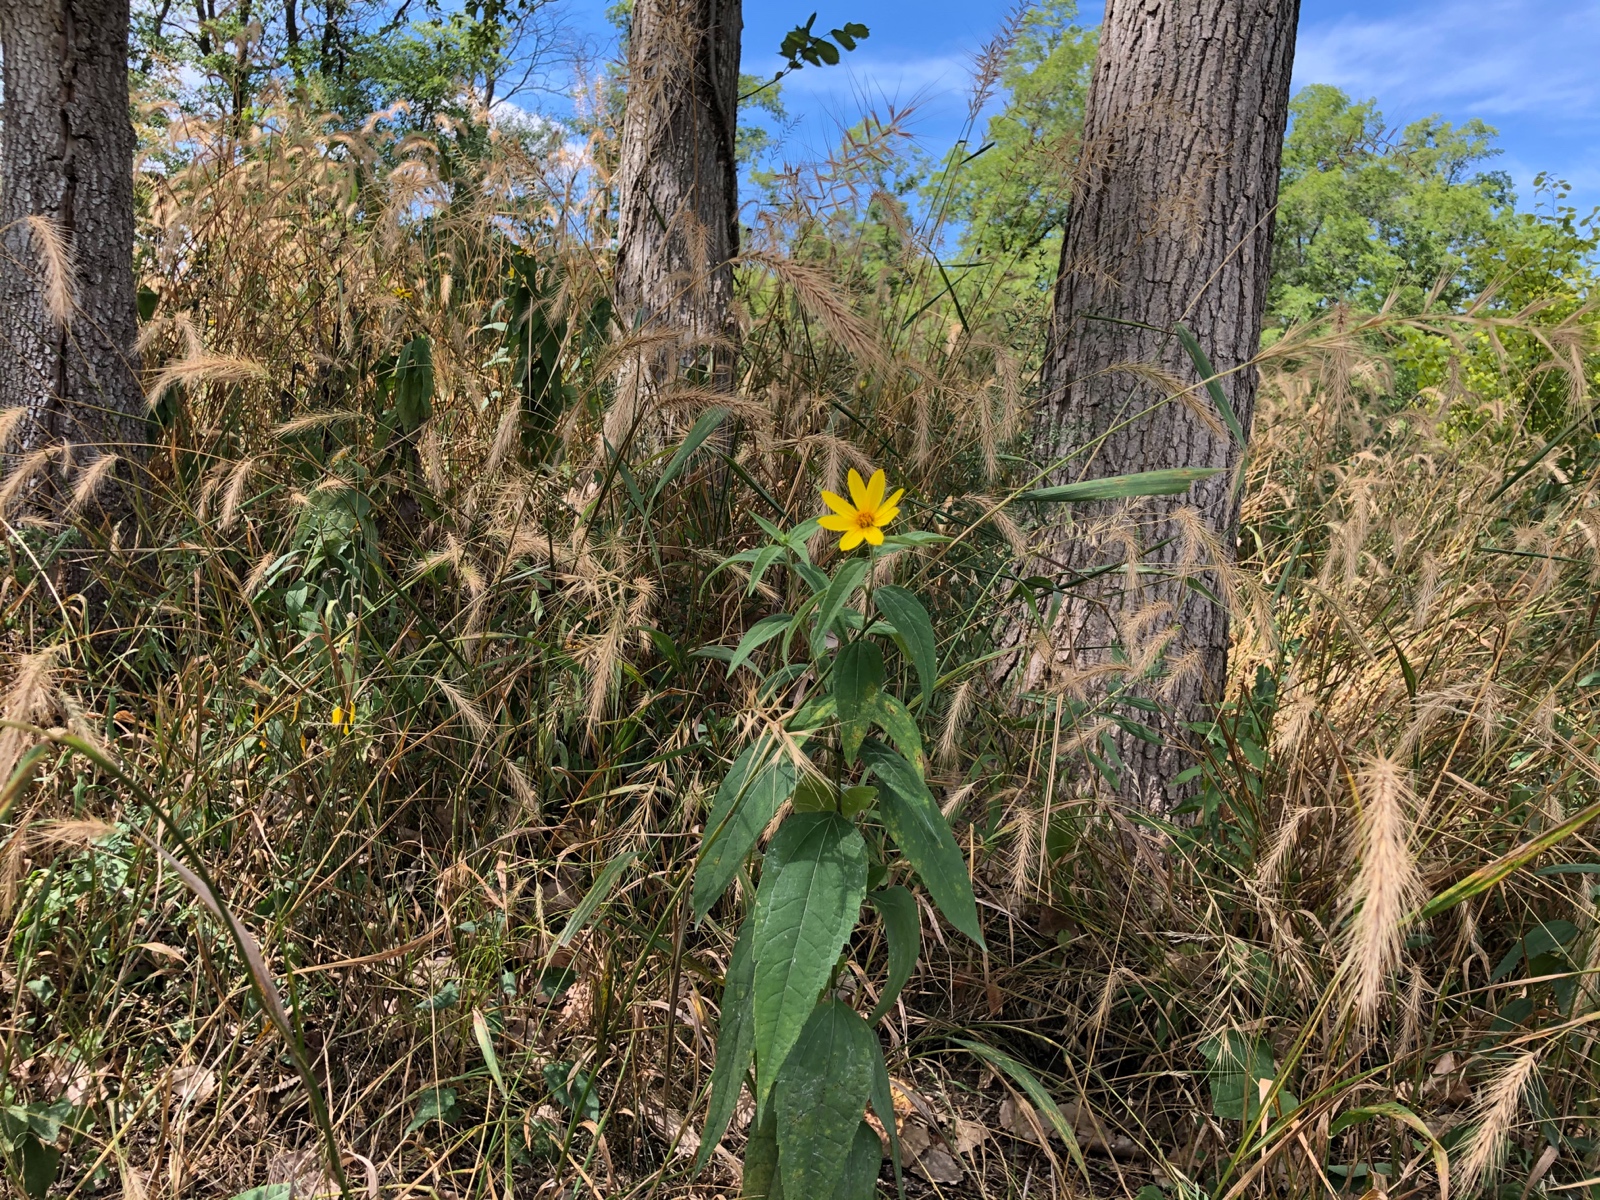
<point x="1171" y="222"/>
<point x="68" y="320"/>
<point x="678" y="225"/>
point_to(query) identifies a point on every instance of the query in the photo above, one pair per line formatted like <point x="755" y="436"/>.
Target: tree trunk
<point x="678" y="221"/>
<point x="1170" y="222"/>
<point x="68" y="321"/>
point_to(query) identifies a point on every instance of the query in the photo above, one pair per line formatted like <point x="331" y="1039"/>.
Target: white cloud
<point x="1489" y="58"/>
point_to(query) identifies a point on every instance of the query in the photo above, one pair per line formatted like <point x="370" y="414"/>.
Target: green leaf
<point x="1399" y="1112"/>
<point x="905" y="612"/>
<point x="882" y="1101"/>
<point x="819" y="1097"/>
<point x="1487" y="876"/>
<point x="857" y="799"/>
<point x="762" y="632"/>
<point x="760" y="780"/>
<point x="924" y="837"/>
<point x="903" y="930"/>
<point x="1203" y="365"/>
<point x="812" y="883"/>
<point x="814" y="794"/>
<point x="761" y="1180"/>
<point x="268" y="1191"/>
<point x="435" y="1103"/>
<point x="896" y="720"/>
<point x="596" y="896"/>
<point x="480" y="1032"/>
<point x="1237" y="1063"/>
<point x="845" y="582"/>
<point x="857" y="681"/>
<point x="1172" y="482"/>
<point x="859" y="1179"/>
<point x="735" y="1043"/>
<point x="1037" y="1095"/>
<point x="40" y="1165"/>
<point x="703" y="428"/>
<point x="413" y="383"/>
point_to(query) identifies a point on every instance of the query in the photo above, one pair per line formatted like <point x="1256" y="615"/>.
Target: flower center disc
<point x="864" y="519"/>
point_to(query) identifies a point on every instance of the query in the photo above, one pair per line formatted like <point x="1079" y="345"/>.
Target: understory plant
<point x="842" y="667"/>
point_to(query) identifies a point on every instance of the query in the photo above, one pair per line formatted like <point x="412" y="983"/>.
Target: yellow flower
<point x="864" y="520"/>
<point x="342" y="719"/>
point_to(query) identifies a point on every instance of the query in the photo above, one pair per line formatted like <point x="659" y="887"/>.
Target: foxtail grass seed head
<point x="1386" y="886"/>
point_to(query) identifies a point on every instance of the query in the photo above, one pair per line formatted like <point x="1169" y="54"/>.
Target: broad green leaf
<point x="857" y="682"/>
<point x="761" y="1162"/>
<point x="858" y="799"/>
<point x="268" y="1191"/>
<point x="1040" y="1098"/>
<point x="882" y="1100"/>
<point x="765" y="557"/>
<point x="1173" y="482"/>
<point x="759" y="781"/>
<point x="896" y="720"/>
<point x="905" y="612"/>
<point x="1208" y="373"/>
<point x="703" y="428"/>
<point x="435" y="1103"/>
<point x="845" y="582"/>
<point x="1238" y="1064"/>
<point x="819" y="1097"/>
<point x="903" y="929"/>
<point x="413" y="383"/>
<point x="859" y="1179"/>
<point x="814" y="794"/>
<point x="735" y="1043"/>
<point x="758" y="635"/>
<point x="812" y="882"/>
<point x="590" y="904"/>
<point x="924" y="837"/>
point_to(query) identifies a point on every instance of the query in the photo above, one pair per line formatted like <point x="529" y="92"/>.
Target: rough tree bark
<point x="678" y="195"/>
<point x="66" y="236"/>
<point x="1171" y="221"/>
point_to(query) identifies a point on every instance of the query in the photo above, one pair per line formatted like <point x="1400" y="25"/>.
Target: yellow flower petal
<point x="838" y="523"/>
<point x="852" y="539"/>
<point x="858" y="490"/>
<point x="884" y="515"/>
<point x="875" y="489"/>
<point x="893" y="500"/>
<point x="873" y="534"/>
<point x="839" y="504"/>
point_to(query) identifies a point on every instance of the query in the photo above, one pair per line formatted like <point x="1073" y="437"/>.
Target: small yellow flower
<point x="342" y="719"/>
<point x="864" y="520"/>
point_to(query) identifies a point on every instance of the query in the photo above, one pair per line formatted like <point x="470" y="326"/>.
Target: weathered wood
<point x="1170" y="221"/>
<point x="66" y="155"/>
<point x="678" y="222"/>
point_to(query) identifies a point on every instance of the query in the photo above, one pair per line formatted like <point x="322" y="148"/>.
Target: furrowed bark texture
<point x="67" y="156"/>
<point x="1171" y="221"/>
<point x="678" y="222"/>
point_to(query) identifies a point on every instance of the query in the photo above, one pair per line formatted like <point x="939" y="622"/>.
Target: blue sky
<point x="1531" y="68"/>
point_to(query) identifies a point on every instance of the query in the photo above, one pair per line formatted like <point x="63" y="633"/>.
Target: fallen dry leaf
<point x="914" y="1140"/>
<point x="1019" y="1120"/>
<point x="968" y="1136"/>
<point x="937" y="1166"/>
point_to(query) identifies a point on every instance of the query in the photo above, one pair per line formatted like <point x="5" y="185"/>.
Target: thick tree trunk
<point x="678" y="220"/>
<point x="68" y="320"/>
<point x="1171" y="221"/>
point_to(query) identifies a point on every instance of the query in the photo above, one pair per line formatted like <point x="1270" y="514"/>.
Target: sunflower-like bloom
<point x="863" y="520"/>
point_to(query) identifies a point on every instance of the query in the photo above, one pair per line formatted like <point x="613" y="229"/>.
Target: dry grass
<point x="512" y="622"/>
